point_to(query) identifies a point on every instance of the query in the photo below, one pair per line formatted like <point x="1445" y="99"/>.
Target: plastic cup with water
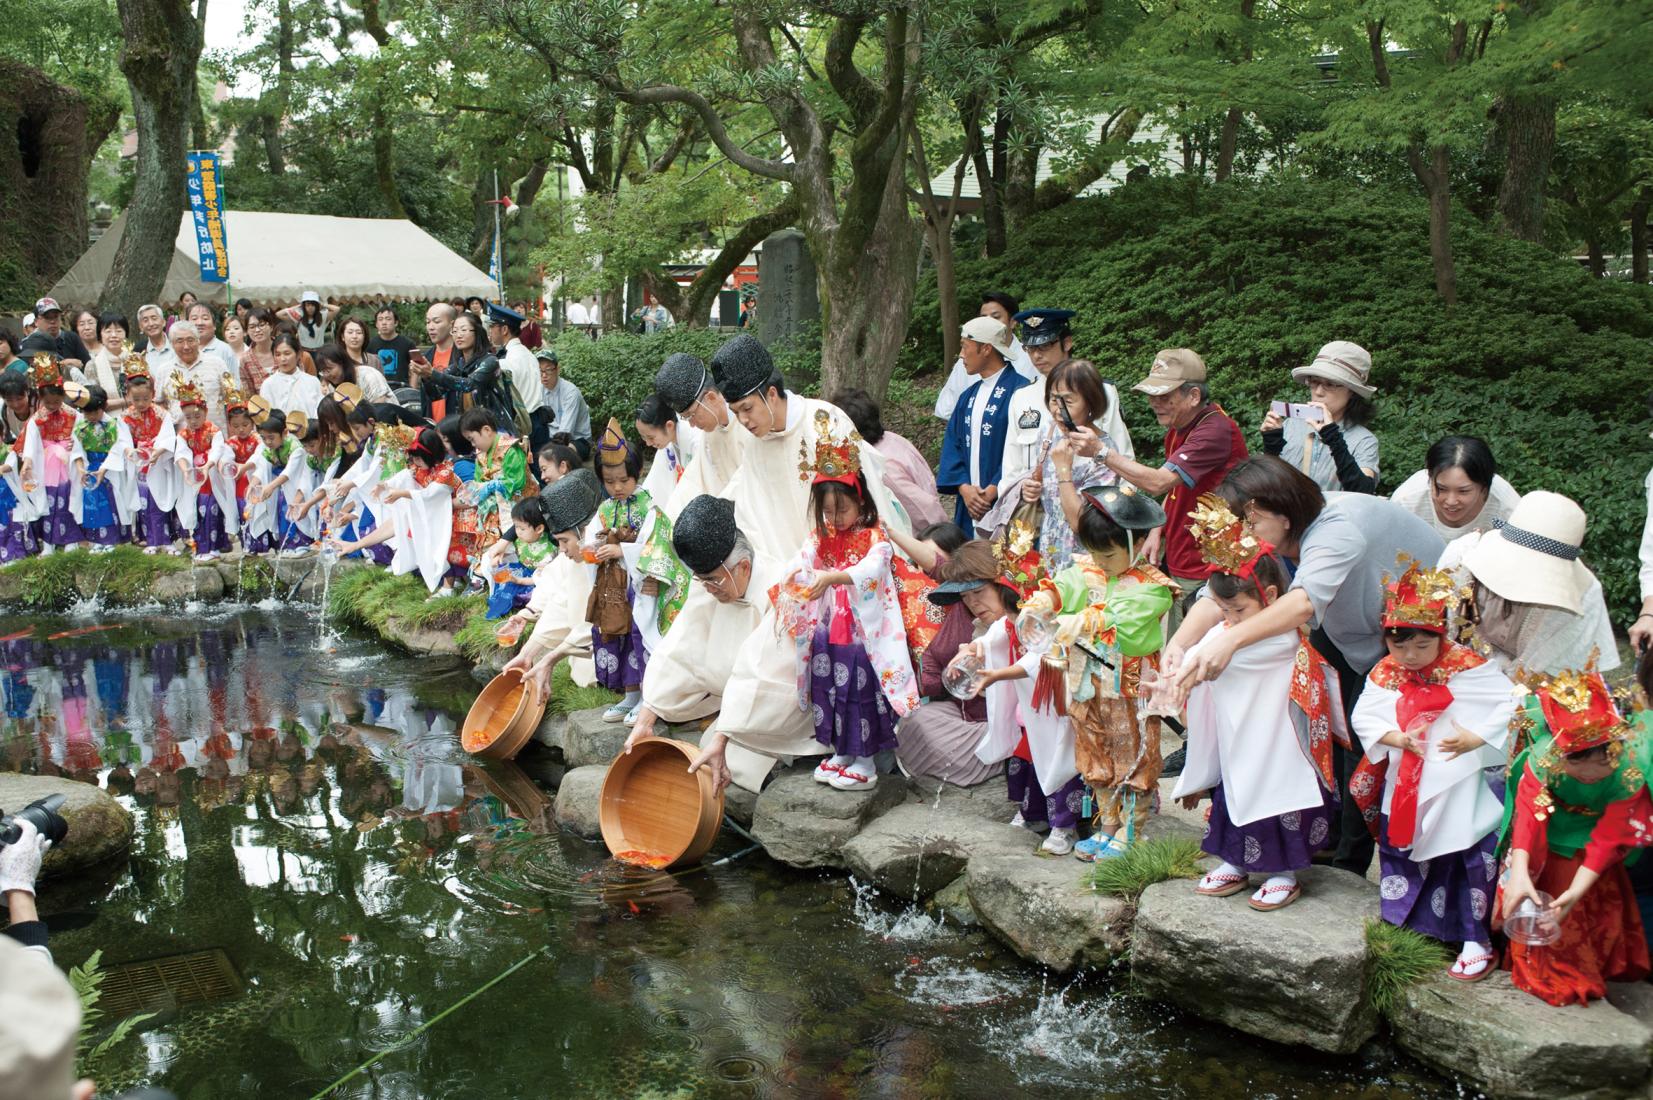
<point x="963" y="675"/>
<point x="1532" y="923"/>
<point x="1036" y="630"/>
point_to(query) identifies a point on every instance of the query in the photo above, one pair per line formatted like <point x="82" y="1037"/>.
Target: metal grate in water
<point x="168" y="982"/>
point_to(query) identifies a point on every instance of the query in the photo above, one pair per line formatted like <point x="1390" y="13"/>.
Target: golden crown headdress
<point x="1419" y="597"/>
<point x="187" y="393"/>
<point x="44" y="370"/>
<point x="1225" y="540"/>
<point x="836" y="459"/>
<point x="395" y="438"/>
<point x="135" y="365"/>
<point x="236" y="399"/>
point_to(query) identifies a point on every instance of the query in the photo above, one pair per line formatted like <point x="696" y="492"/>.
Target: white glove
<point x="20" y="862"/>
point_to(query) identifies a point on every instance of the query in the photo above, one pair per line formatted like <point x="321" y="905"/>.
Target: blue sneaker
<point x="1098" y="846"/>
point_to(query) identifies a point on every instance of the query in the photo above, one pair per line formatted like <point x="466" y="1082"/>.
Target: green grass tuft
<point x="567" y="697"/>
<point x="1145" y="863"/>
<point x="476" y="638"/>
<point x="1396" y="958"/>
<point x="124" y="575"/>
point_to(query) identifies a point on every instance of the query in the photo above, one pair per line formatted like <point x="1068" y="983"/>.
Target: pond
<point x="310" y="830"/>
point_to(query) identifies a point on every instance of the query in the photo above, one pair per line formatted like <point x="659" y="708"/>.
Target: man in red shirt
<point x="1202" y="443"/>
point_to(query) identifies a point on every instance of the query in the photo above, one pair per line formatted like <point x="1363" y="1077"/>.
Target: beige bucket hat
<point x="1533" y="556"/>
<point x="39" y="1022"/>
<point x="1343" y="362"/>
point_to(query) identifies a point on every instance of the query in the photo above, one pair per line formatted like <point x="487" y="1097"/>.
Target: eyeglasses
<point x="721" y="584"/>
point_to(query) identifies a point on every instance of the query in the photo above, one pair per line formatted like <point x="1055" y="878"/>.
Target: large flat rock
<point x="917" y="848"/>
<point x="1045" y="908"/>
<point x="988" y="800"/>
<point x="99" y="827"/>
<point x="1508" y="1043"/>
<point x="587" y="739"/>
<point x="806" y="824"/>
<point x="579" y="798"/>
<point x="1295" y="975"/>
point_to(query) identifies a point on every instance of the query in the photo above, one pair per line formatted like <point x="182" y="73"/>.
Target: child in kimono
<point x="501" y="475"/>
<point x="275" y="464"/>
<point x="1259" y="735"/>
<point x="98" y="461"/>
<point x="417" y="515"/>
<point x="154" y="480"/>
<point x="241" y="438"/>
<point x="48" y="439"/>
<point x="1580" y="805"/>
<point x="534" y="548"/>
<point x="1433" y="716"/>
<point x="305" y="489"/>
<point x="206" y="493"/>
<point x="620" y="658"/>
<point x="352" y="514"/>
<point x="851" y="638"/>
<point x="17" y="538"/>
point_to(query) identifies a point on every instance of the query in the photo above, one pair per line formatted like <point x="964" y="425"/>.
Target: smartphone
<point x="1067" y="417"/>
<point x="418" y="356"/>
<point x="1294" y="410"/>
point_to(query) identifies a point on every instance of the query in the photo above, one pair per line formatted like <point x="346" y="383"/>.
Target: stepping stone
<point x="587" y="739"/>
<point x="806" y="824"/>
<point x="1295" y="975"/>
<point x="100" y="828"/>
<point x="988" y="800"/>
<point x="579" y="798"/>
<point x="1045" y="908"/>
<point x="1508" y="1043"/>
<point x="915" y="849"/>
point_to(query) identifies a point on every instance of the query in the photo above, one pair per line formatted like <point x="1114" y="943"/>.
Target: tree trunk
<point x="161" y="47"/>
<point x="384" y="135"/>
<point x="1227" y="143"/>
<point x="1021" y="185"/>
<point x="198" y="110"/>
<point x="275" y="113"/>
<point x="939" y="218"/>
<point x="1437" y="183"/>
<point x="1526" y="133"/>
<point x="1598" y="259"/>
<point x="1638" y="235"/>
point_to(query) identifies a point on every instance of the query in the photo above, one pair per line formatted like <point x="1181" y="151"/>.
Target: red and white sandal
<point x="1221" y="884"/>
<point x="1264" y="899"/>
<point x="1460" y="967"/>
<point x="826" y="770"/>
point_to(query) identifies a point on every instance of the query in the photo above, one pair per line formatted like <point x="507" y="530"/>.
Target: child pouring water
<point x="206" y="497"/>
<point x="47" y="439"/>
<point x="154" y="487"/>
<point x="275" y="464"/>
<point x="241" y="437"/>
<point x="854" y="667"/>
<point x="534" y="548"/>
<point x="1259" y="735"/>
<point x="616" y="645"/>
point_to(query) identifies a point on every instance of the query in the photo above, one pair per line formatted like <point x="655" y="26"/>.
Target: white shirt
<point x="207" y="374"/>
<point x="289" y="392"/>
<point x="232" y="361"/>
<point x="524" y="372"/>
<point x="158" y="356"/>
<point x="958" y="380"/>
<point x="371" y="381"/>
<point x="978" y="412"/>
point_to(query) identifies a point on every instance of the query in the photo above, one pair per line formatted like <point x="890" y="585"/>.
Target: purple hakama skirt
<point x="1061" y="809"/>
<point x="620" y="662"/>
<point x="152" y="526"/>
<point x="58" y="526"/>
<point x="1448" y="897"/>
<point x="1284" y="842"/>
<point x="852" y="717"/>
<point x="99" y="521"/>
<point x="210" y="536"/>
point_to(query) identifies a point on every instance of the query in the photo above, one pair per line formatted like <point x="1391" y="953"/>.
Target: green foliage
<point x="374" y="598"/>
<point x="91" y="1057"/>
<point x="1396" y="958"/>
<point x="1144" y="863"/>
<point x="124" y="575"/>
<point x="568" y="697"/>
<point x="1549" y="365"/>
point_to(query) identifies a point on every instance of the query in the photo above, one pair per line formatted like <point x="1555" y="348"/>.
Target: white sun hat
<point x="1532" y="557"/>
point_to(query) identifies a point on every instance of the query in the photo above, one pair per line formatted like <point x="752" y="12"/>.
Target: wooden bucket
<point x="652" y="805"/>
<point x="503" y="717"/>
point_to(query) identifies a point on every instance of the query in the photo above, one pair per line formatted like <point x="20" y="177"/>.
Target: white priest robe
<point x="715" y="459"/>
<point x="221" y="484"/>
<point x="421" y="526"/>
<point x="771" y="490"/>
<point x="562" y="588"/>
<point x="1240" y="734"/>
<point x="1456" y="808"/>
<point x="687" y="674"/>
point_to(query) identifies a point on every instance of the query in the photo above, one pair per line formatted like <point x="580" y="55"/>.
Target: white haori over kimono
<point x="34" y="452"/>
<point x="686" y="675"/>
<point x="1010" y="713"/>
<point x="562" y="589"/>
<point x="11" y="465"/>
<point x="760" y="713"/>
<point x="421" y="527"/>
<point x="1241" y="734"/>
<point x="362" y="476"/>
<point x="771" y="491"/>
<point x="221" y="484"/>
<point x="879" y="627"/>
<point x="715" y="460"/>
<point x="118" y="474"/>
<point x="303" y="480"/>
<point x="669" y="469"/>
<point x="1456" y="809"/>
<point x="161" y="478"/>
<point x="261" y="515"/>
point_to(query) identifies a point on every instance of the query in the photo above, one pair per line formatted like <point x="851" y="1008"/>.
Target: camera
<point x="44" y="813"/>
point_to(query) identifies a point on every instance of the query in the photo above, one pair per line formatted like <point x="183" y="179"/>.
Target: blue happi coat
<point x="960" y="443"/>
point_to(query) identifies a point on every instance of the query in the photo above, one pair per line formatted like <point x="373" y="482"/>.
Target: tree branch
<point x="852" y="86"/>
<point x="715" y="129"/>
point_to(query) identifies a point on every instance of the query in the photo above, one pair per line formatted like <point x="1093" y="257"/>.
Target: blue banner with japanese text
<point x="206" y="202"/>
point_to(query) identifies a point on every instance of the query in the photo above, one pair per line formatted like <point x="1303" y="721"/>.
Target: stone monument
<point x="787" y="300"/>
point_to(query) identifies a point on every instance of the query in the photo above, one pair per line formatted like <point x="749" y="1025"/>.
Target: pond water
<point x="303" y="807"/>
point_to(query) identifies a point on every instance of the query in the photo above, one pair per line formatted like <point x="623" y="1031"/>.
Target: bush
<point x="1396" y="958"/>
<point x="1548" y="364"/>
<point x="617" y="372"/>
<point x="1144" y="863"/>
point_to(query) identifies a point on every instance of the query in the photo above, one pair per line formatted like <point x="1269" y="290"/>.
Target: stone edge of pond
<point x="177" y="581"/>
<point x="1295" y="976"/>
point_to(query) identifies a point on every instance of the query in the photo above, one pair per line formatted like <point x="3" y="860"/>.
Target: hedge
<point x="1550" y="365"/>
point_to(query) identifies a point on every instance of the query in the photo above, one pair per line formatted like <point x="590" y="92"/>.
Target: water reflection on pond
<point x="306" y="809"/>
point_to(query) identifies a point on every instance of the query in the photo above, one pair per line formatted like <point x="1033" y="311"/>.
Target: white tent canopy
<point x="276" y="257"/>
